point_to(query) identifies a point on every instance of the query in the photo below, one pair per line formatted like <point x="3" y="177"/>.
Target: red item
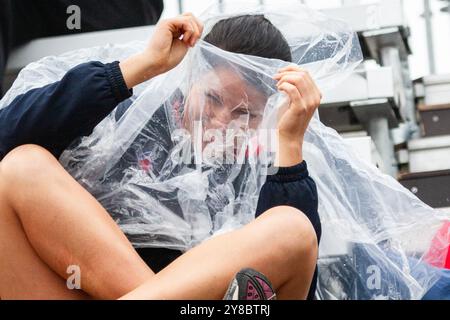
<point x="439" y="253"/>
<point x="145" y="165"/>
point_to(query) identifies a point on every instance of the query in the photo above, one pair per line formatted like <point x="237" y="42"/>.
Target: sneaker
<point x="250" y="285"/>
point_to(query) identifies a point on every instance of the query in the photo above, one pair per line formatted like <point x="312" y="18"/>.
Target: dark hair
<point x="250" y="34"/>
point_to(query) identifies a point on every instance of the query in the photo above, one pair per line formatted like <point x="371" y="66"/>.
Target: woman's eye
<point x="245" y="112"/>
<point x="214" y="99"/>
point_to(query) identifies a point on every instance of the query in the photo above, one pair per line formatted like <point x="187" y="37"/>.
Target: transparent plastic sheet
<point x="173" y="169"/>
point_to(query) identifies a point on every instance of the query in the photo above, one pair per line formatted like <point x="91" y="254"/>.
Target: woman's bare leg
<point x="281" y="244"/>
<point x="60" y="224"/>
<point x="23" y="275"/>
<point x="48" y="222"/>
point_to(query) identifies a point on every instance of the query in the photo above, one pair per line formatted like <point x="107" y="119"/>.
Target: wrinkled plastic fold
<point x="186" y="157"/>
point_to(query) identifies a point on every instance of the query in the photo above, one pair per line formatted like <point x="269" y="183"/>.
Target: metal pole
<point x="221" y="6"/>
<point x="428" y="15"/>
<point x="379" y="131"/>
<point x="390" y="56"/>
<point x="180" y="6"/>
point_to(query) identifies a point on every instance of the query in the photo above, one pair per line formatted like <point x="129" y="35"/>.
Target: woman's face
<point x="223" y="100"/>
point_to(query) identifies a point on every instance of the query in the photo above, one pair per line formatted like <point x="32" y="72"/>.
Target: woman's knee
<point x="27" y="162"/>
<point x="293" y="235"/>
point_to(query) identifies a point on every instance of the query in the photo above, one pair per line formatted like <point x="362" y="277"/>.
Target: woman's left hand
<point x="305" y="98"/>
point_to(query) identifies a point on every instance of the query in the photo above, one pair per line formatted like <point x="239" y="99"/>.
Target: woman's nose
<point x="218" y="123"/>
<point x="223" y="116"/>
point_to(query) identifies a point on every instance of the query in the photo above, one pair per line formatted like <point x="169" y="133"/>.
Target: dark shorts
<point x="158" y="259"/>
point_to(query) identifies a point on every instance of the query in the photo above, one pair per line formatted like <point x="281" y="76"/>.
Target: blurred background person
<point x="24" y="20"/>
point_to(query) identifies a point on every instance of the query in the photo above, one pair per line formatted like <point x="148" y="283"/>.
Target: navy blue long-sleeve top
<point x="57" y="114"/>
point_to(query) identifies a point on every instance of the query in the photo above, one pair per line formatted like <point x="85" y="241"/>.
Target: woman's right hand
<point x="171" y="41"/>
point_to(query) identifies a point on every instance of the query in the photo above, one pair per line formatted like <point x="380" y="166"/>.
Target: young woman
<point x="49" y="222"/>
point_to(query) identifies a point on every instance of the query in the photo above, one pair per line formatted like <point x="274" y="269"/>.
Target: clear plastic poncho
<point x="174" y="169"/>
